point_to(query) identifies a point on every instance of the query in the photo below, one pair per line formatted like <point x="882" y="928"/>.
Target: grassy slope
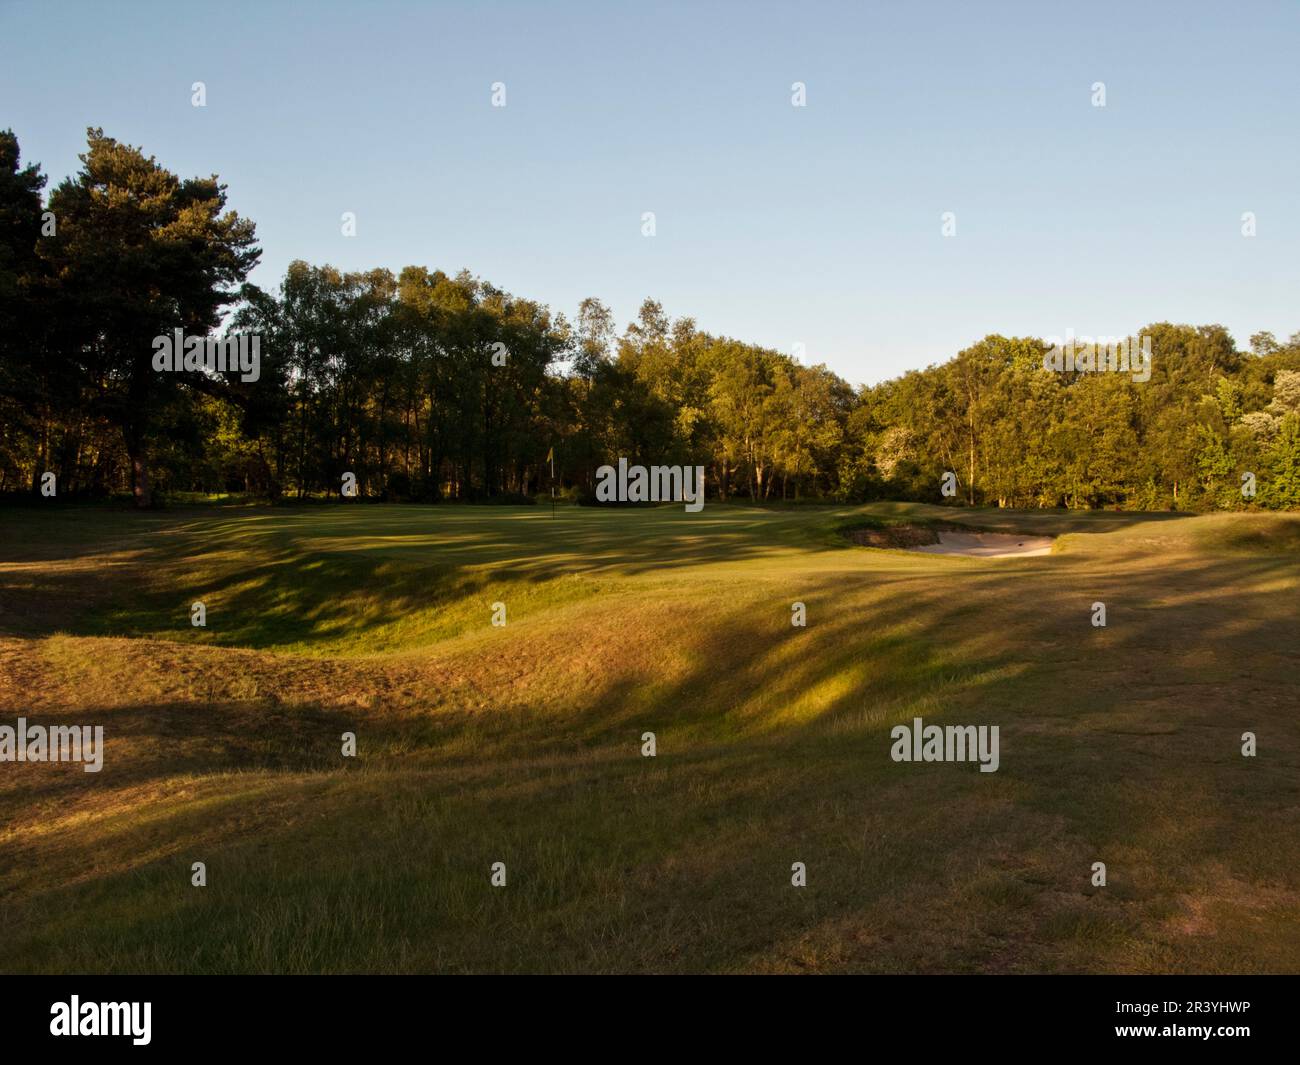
<point x="482" y="744"/>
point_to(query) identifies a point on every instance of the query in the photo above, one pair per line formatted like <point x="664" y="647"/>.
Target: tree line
<point x="428" y="386"/>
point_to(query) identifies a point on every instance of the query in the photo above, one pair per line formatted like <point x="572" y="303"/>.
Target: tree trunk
<point x="140" y="487"/>
<point x="970" y="485"/>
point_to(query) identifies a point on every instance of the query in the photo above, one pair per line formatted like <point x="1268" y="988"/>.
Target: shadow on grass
<point x="1118" y="744"/>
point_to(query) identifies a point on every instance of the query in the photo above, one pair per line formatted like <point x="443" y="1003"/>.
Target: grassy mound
<point x="522" y="744"/>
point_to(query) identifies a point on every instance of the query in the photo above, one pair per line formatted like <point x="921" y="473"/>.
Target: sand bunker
<point x="946" y="539"/>
<point x="986" y="545"/>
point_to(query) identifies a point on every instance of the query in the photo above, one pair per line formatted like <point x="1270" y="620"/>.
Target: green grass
<point x="522" y="744"/>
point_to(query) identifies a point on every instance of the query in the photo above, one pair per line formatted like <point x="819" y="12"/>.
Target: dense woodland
<point x="429" y="386"/>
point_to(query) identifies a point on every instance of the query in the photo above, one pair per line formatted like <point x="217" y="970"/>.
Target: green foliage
<point x="1283" y="490"/>
<point x="135" y="252"/>
<point x="427" y="386"/>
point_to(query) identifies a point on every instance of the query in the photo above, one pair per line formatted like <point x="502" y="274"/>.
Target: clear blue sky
<point x="776" y="225"/>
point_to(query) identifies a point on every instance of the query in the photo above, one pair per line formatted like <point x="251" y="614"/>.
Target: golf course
<point x="523" y="742"/>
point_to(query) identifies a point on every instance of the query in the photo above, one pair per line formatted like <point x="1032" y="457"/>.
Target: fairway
<point x="522" y="743"/>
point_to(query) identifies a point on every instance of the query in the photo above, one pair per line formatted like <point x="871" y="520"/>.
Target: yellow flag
<point x="550" y="455"/>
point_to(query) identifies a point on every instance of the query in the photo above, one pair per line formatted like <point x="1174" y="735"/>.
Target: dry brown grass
<point x="521" y="744"/>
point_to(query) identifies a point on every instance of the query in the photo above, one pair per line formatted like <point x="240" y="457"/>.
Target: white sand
<point x="987" y="545"/>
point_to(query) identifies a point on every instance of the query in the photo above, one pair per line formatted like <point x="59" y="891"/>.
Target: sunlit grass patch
<point x="522" y="743"/>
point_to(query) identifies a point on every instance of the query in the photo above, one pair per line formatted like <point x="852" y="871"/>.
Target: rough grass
<point x="522" y="744"/>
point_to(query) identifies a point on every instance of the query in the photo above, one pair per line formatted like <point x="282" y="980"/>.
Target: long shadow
<point x="305" y="566"/>
<point x="1196" y="650"/>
